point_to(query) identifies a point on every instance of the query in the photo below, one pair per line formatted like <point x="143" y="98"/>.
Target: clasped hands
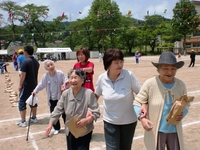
<point x="146" y="123"/>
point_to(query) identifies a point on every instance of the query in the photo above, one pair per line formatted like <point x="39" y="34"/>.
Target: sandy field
<point x="13" y="137"/>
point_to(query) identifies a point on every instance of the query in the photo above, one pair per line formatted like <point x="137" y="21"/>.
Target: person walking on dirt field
<point x="137" y="56"/>
<point x="76" y="101"/>
<point x="14" y="59"/>
<point x="28" y="82"/>
<point x="52" y="80"/>
<point x="20" y="59"/>
<point x="160" y="93"/>
<point x="117" y="86"/>
<point x="192" y="57"/>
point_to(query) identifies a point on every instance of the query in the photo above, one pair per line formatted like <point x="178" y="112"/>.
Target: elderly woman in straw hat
<point x="159" y="93"/>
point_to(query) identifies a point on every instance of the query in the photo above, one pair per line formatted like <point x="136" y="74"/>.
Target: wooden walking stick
<point x="29" y="121"/>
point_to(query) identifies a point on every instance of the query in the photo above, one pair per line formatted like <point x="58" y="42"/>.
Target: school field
<point x="13" y="137"/>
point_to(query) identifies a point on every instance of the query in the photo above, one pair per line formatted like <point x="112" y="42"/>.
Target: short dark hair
<point x="85" y="51"/>
<point x="29" y="50"/>
<point x="78" y="72"/>
<point x="110" y="55"/>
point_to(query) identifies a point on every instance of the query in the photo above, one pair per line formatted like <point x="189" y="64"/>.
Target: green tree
<point x="73" y="35"/>
<point x="104" y="16"/>
<point x="129" y="33"/>
<point x="185" y="20"/>
<point x="11" y="28"/>
<point x="33" y="18"/>
<point x="151" y="29"/>
<point x="30" y="21"/>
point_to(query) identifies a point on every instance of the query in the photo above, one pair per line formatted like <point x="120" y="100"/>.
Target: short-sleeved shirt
<point x="20" y="59"/>
<point x="30" y="66"/>
<point x="89" y="76"/>
<point x="118" y="97"/>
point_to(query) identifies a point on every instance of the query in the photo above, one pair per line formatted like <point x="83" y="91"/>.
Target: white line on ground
<point x="192" y="92"/>
<point x="42" y="115"/>
<point x="14" y="119"/>
<point x="135" y="138"/>
<point x="33" y="141"/>
<point x="191" y="123"/>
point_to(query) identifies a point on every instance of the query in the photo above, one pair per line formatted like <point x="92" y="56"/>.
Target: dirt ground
<point x="13" y="137"/>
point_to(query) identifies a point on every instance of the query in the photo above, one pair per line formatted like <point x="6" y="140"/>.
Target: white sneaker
<point x="34" y="120"/>
<point x="20" y="124"/>
<point x="56" y="132"/>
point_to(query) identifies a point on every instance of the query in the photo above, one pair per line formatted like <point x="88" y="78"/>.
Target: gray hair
<point x="78" y="72"/>
<point x="46" y="61"/>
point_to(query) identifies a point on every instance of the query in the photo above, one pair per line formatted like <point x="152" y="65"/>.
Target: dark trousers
<point x="192" y="62"/>
<point x="81" y="143"/>
<point x="119" y="137"/>
<point x="53" y="105"/>
<point x="137" y="60"/>
<point x="5" y="68"/>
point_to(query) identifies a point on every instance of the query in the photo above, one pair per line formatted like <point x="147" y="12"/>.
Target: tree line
<point x="104" y="27"/>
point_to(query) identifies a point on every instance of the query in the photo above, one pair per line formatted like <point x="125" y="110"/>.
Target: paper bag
<point x="178" y="107"/>
<point x="71" y="124"/>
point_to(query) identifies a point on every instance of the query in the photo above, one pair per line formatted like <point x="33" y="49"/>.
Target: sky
<point x="71" y="8"/>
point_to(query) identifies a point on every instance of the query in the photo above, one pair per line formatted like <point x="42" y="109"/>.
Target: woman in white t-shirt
<point x="117" y="86"/>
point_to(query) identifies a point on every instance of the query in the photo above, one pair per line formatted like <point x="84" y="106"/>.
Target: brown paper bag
<point x="178" y="107"/>
<point x="71" y="124"/>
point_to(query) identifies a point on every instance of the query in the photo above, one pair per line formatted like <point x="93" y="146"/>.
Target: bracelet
<point x="140" y="115"/>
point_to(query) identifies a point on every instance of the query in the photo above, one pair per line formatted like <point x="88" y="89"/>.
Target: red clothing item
<point x="89" y="76"/>
<point x="14" y="57"/>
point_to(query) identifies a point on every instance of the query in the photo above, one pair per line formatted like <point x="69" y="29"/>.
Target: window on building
<point x="197" y="33"/>
<point x="196" y="44"/>
<point x="188" y="45"/>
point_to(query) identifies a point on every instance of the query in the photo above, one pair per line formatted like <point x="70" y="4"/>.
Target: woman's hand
<point x="179" y="117"/>
<point x="48" y="129"/>
<point x="63" y="87"/>
<point x="20" y="88"/>
<point x="33" y="93"/>
<point x="82" y="123"/>
<point x="147" y="124"/>
<point x="143" y="111"/>
<point x="85" y="121"/>
<point x="89" y="113"/>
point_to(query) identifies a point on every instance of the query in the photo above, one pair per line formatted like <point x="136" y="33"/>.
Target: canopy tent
<point x="3" y="52"/>
<point x="53" y="50"/>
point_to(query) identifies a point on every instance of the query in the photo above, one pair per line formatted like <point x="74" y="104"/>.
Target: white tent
<point x="53" y="50"/>
<point x="3" y="52"/>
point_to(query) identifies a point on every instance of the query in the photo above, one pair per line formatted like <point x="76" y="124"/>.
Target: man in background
<point x="20" y="59"/>
<point x="28" y="82"/>
<point x="14" y="59"/>
<point x="192" y="58"/>
<point x="3" y="67"/>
